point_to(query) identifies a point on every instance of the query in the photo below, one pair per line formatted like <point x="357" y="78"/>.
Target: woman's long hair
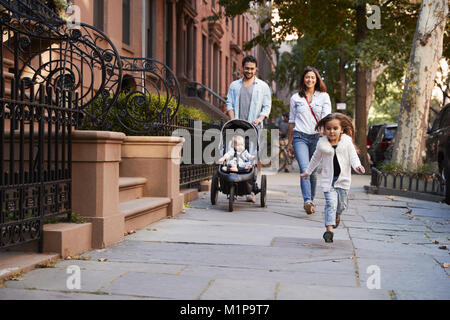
<point x="320" y="85"/>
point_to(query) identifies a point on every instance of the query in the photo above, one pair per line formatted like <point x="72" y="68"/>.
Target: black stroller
<point x="243" y="182"/>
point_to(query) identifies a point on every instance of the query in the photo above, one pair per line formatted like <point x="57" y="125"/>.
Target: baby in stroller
<point x="238" y="158"/>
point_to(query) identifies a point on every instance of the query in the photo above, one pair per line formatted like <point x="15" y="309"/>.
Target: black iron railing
<point x="432" y="183"/>
<point x="197" y="89"/>
<point x="55" y="79"/>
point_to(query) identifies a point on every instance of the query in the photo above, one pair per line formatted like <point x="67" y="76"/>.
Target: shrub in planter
<point x="135" y="113"/>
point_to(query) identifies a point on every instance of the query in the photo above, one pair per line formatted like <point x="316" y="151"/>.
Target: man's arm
<point x="230" y="113"/>
<point x="266" y="105"/>
<point x="230" y="101"/>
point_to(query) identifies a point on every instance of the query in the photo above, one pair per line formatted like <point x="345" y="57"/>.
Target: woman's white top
<point x="347" y="158"/>
<point x="301" y="114"/>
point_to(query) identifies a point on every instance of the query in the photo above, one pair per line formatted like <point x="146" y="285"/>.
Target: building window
<point x="150" y="28"/>
<point x="126" y="14"/>
<point x="204" y="59"/>
<point x="99" y="12"/>
<point x="227" y="72"/>
<point x="169" y="34"/>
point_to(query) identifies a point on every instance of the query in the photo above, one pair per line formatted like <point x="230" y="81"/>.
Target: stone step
<point x="8" y="75"/>
<point x="20" y="262"/>
<point x="139" y="213"/>
<point x="8" y="62"/>
<point x="131" y="188"/>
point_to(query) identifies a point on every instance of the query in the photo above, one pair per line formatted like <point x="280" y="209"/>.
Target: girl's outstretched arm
<point x="314" y="163"/>
<point x="354" y="160"/>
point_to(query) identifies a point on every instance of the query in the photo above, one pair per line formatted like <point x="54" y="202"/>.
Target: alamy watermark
<point x="374" y="20"/>
<point x="73" y="282"/>
<point x="206" y="147"/>
<point x="374" y="280"/>
<point x="73" y="13"/>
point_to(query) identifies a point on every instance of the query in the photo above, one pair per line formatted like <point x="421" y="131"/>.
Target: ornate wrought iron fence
<point x="53" y="80"/>
<point x="417" y="182"/>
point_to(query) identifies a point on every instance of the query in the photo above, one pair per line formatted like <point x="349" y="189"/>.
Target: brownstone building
<point x="176" y="33"/>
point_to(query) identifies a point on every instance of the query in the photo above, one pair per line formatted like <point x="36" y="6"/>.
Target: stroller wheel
<point x="231" y="199"/>
<point x="214" y="188"/>
<point x="263" y="190"/>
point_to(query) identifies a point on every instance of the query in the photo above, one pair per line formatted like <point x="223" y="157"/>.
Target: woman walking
<point x="308" y="106"/>
<point x="337" y="154"/>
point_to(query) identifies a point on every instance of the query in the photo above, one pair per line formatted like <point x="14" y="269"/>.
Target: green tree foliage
<point x="327" y="26"/>
<point x="278" y="108"/>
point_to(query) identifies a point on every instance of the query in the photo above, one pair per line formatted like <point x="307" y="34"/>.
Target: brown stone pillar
<point x="158" y="160"/>
<point x="95" y="183"/>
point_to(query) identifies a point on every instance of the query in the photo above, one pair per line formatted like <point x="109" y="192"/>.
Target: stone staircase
<point x="138" y="210"/>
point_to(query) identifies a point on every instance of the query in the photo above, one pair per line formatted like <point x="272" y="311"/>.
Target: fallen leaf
<point x="102" y="259"/>
<point x="443" y="247"/>
<point x="436" y="242"/>
<point x="405" y="243"/>
<point x="125" y="233"/>
<point x="446" y="265"/>
<point x="390" y="197"/>
<point x="307" y="244"/>
<point x="68" y="258"/>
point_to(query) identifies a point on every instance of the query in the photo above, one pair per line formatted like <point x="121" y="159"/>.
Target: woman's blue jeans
<point x="304" y="147"/>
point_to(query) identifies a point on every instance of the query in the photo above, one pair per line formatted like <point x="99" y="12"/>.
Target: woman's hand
<point x="304" y="175"/>
<point x="361" y="169"/>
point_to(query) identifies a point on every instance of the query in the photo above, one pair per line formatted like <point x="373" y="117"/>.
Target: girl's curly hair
<point x="346" y="124"/>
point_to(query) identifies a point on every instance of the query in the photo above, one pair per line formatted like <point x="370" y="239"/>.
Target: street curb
<point x="403" y="193"/>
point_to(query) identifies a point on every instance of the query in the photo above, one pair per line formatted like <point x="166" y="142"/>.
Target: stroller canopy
<point x="240" y="127"/>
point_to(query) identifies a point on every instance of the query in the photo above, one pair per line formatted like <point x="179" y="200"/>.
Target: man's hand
<point x="258" y="120"/>
<point x="304" y="175"/>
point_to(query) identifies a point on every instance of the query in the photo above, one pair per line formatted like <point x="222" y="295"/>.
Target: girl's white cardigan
<point x="347" y="158"/>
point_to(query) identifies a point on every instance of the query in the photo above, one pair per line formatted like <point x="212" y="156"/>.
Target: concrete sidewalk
<point x="271" y="253"/>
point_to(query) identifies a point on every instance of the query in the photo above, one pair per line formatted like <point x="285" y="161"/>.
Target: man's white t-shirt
<point x="301" y="114"/>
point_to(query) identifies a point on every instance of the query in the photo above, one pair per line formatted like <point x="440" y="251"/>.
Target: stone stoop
<point x="131" y="188"/>
<point x="139" y="213"/>
<point x="189" y="194"/>
<point x="67" y="239"/>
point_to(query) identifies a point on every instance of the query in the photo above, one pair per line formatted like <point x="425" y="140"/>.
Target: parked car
<point x="383" y="139"/>
<point x="438" y="146"/>
<point x="372" y="133"/>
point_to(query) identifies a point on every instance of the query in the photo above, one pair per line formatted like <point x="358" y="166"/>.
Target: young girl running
<point x="337" y="153"/>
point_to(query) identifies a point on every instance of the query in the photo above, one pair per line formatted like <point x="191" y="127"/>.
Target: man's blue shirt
<point x="261" y="99"/>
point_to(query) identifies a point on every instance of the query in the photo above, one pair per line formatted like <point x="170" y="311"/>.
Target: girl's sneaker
<point x="328" y="236"/>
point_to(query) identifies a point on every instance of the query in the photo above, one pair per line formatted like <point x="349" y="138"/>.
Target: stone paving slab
<point x="123" y="266"/>
<point x="158" y="286"/>
<point x="226" y="232"/>
<point x="302" y="292"/>
<point x="56" y="279"/>
<point x="27" y="294"/>
<point x="267" y="253"/>
<point x="335" y="274"/>
<point x="226" y="289"/>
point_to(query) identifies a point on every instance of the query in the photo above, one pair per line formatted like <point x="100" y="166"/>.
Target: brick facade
<point x="209" y="52"/>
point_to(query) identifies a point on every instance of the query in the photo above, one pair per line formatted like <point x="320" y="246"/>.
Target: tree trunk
<point x="361" y="89"/>
<point x="420" y="75"/>
<point x="371" y="80"/>
<point x="342" y="77"/>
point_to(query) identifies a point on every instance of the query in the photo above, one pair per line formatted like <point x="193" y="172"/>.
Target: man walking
<point x="249" y="98"/>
